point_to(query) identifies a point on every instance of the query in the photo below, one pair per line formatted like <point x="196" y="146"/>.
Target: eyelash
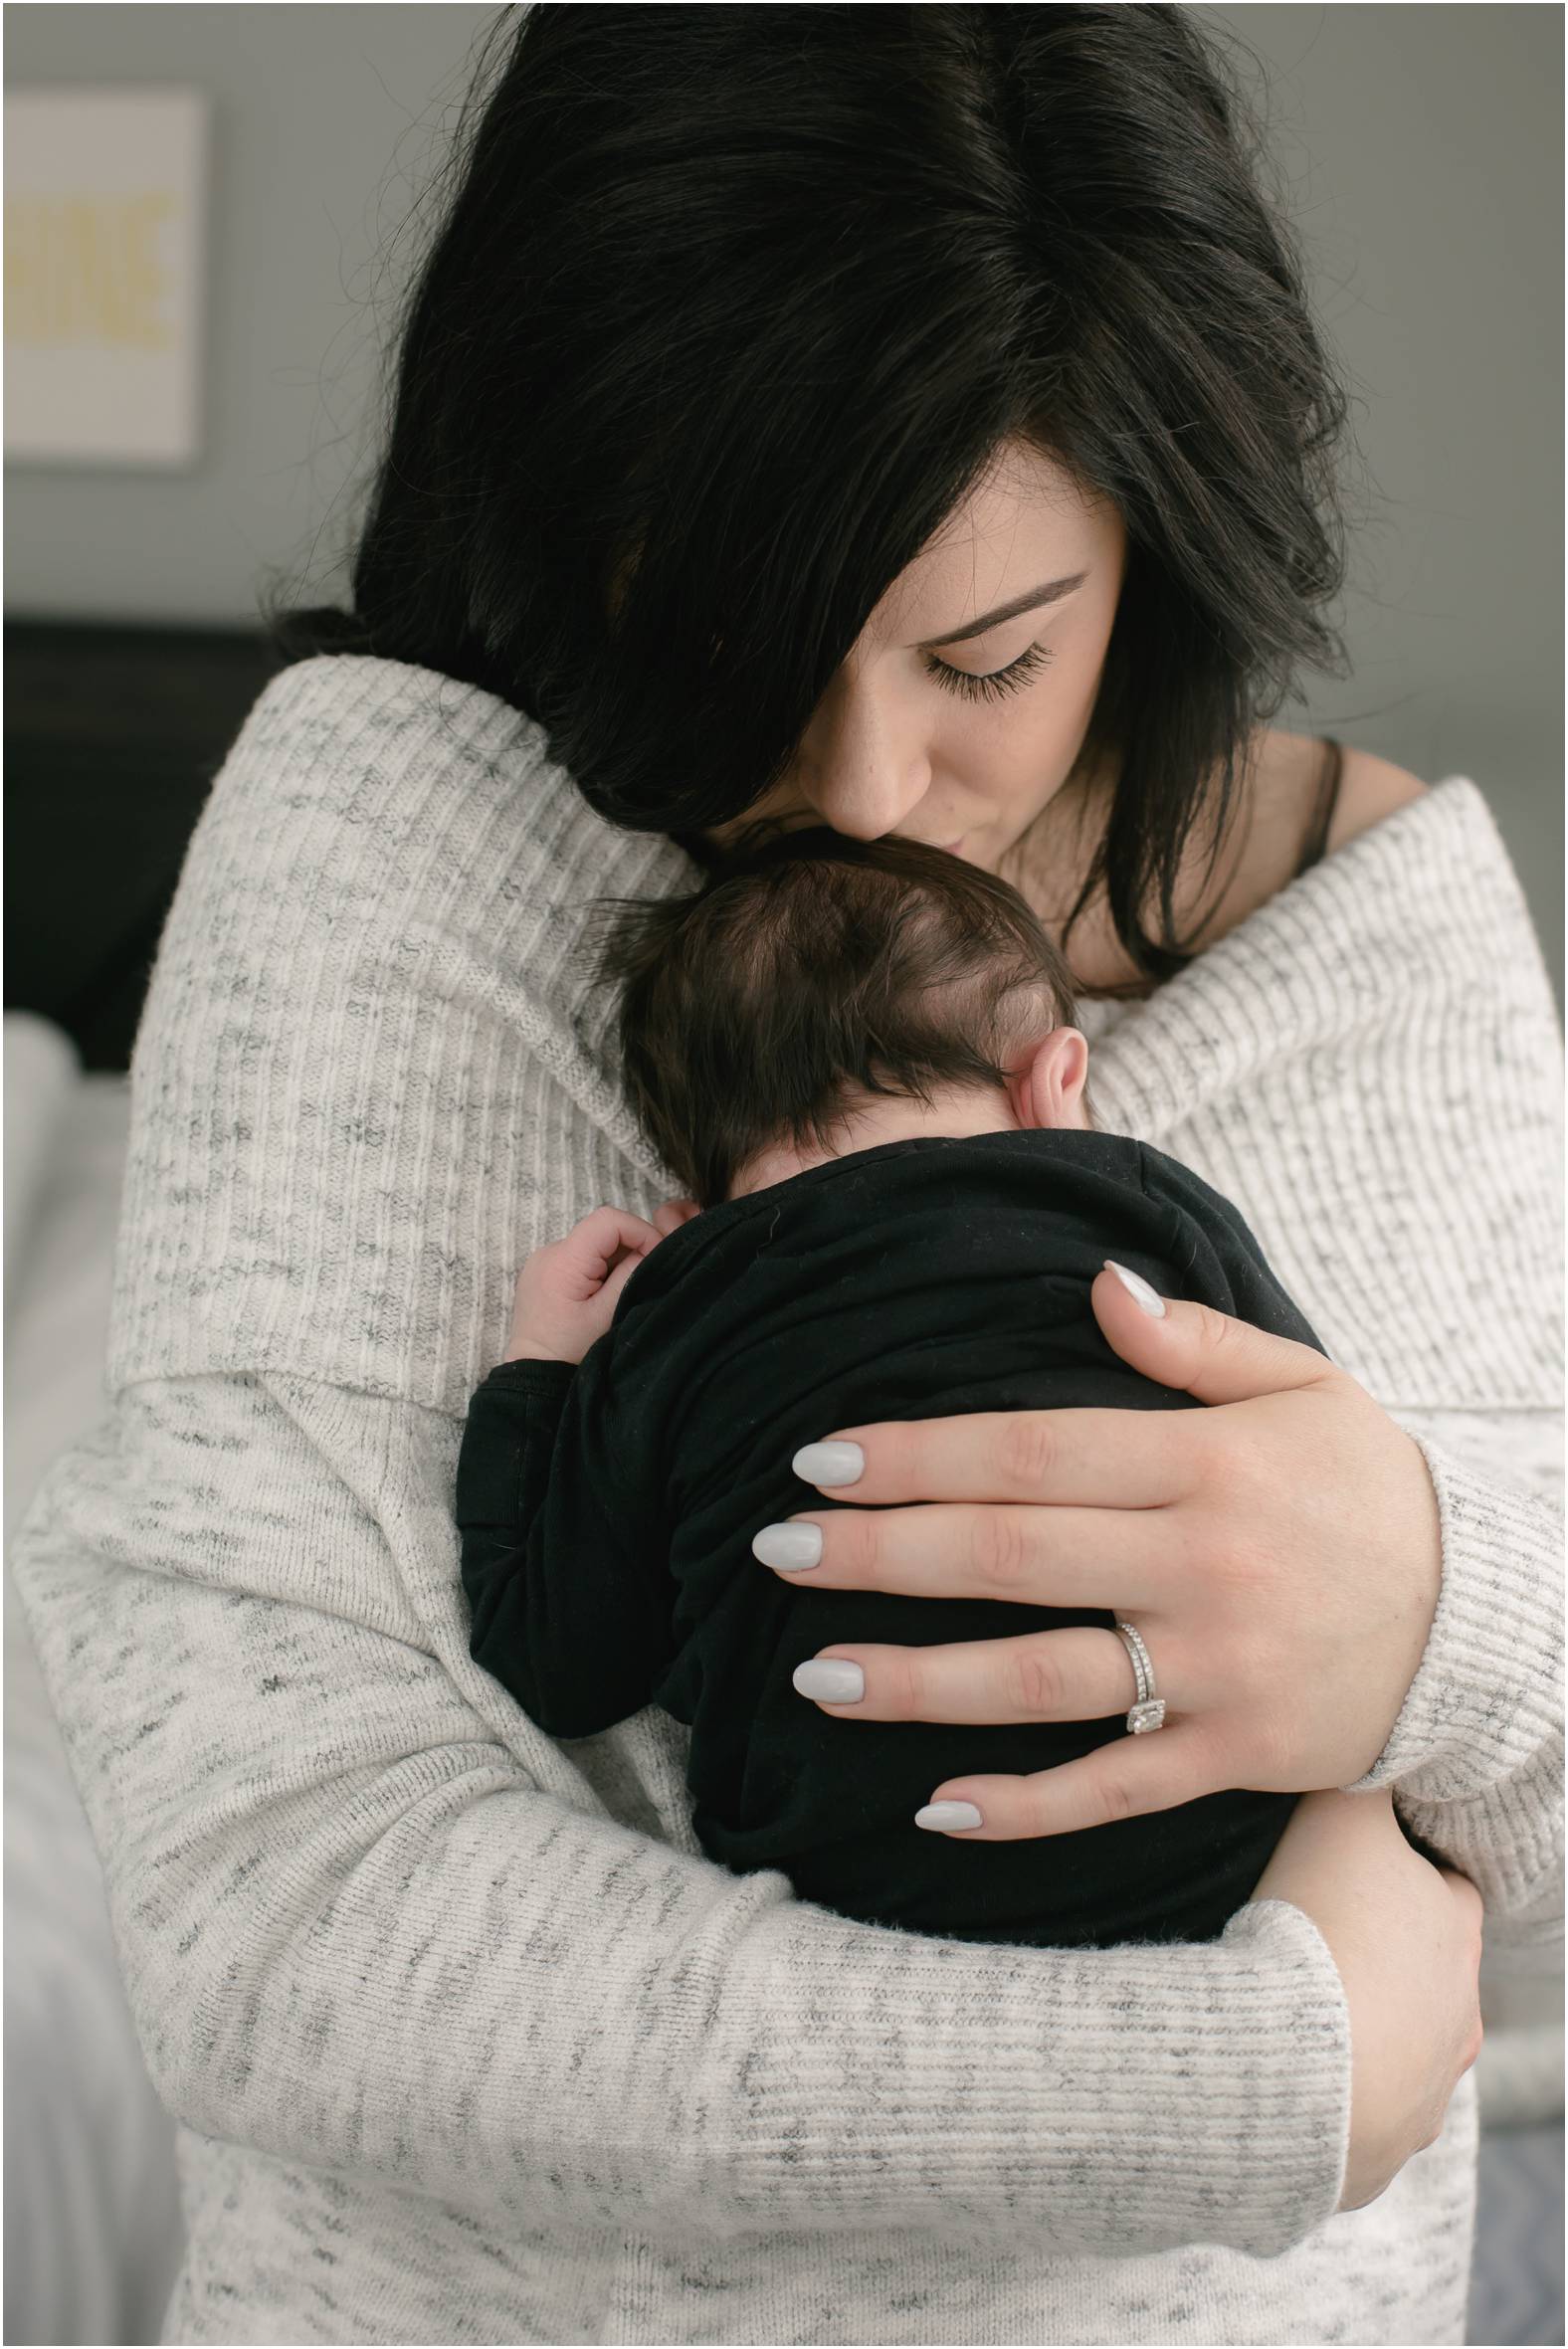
<point x="998" y="682"/>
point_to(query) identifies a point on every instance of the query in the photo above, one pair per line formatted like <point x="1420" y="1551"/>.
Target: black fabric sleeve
<point x="562" y="1613"/>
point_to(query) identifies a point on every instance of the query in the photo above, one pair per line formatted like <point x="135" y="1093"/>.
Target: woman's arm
<point x="1344" y="1859"/>
<point x="369" y="1920"/>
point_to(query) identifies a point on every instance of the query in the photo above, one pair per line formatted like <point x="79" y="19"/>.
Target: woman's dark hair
<point x="731" y="308"/>
<point x="808" y="971"/>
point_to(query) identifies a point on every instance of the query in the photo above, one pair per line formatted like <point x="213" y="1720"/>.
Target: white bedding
<point x="92" y="2216"/>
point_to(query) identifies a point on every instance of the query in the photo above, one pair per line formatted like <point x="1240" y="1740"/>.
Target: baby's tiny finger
<point x="600" y="1236"/>
<point x="672" y="1214"/>
<point x="618" y="1276"/>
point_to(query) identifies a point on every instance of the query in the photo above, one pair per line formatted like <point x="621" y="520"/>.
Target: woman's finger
<point x="1124" y="1780"/>
<point x="1076" y="1674"/>
<point x="1036" y="1557"/>
<point x="1212" y="1355"/>
<point x="1097" y="1458"/>
<point x="1089" y="1456"/>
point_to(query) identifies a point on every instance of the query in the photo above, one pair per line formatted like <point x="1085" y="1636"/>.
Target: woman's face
<point x="952" y="720"/>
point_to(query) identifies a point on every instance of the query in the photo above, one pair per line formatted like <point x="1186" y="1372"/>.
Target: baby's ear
<point x="1047" y="1086"/>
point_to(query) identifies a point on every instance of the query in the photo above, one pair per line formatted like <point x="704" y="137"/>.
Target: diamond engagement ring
<point x="1148" y="1711"/>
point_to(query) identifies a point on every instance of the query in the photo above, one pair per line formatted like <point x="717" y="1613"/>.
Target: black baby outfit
<point x="607" y="1515"/>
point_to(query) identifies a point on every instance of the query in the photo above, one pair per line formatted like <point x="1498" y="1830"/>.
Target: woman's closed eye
<point x="994" y="683"/>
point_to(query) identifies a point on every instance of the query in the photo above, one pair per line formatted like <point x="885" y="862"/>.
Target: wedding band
<point x="1148" y="1710"/>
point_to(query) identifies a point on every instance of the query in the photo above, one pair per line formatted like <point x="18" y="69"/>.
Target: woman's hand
<point x="1405" y="1939"/>
<point x="1279" y="1552"/>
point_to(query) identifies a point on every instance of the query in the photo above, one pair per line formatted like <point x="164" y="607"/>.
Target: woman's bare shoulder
<point x="1280" y="810"/>
<point x="1290" y="778"/>
<point x="1269" y="831"/>
<point x="1370" y="788"/>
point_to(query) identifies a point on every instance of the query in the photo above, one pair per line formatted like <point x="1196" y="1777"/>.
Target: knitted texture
<point x="468" y="2041"/>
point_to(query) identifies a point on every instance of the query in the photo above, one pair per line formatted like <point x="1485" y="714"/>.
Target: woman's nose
<point x="860" y="771"/>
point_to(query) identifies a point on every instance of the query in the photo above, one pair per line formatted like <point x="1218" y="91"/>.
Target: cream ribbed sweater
<point x="469" y="2041"/>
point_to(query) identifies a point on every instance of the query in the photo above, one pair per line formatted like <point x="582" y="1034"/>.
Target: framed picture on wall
<point x="104" y="253"/>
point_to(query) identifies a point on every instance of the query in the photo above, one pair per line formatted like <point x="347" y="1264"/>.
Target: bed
<point x="92" y="2215"/>
<point x="113" y="735"/>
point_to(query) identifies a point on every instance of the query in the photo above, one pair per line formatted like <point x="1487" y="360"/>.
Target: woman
<point x="765" y="354"/>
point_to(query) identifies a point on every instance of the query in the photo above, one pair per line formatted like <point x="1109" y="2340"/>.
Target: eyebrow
<point x="1052" y="593"/>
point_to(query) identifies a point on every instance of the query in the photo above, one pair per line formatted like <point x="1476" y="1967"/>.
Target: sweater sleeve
<point x="1475" y="1757"/>
<point x="371" y="1920"/>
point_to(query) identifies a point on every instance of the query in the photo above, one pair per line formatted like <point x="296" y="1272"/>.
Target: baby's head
<point x="819" y="995"/>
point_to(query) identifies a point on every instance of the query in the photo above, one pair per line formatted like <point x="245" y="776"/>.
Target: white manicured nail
<point x="790" y="1547"/>
<point x="829" y="1464"/>
<point x="1136" y="1286"/>
<point x="944" y="1817"/>
<point x="831" y="1680"/>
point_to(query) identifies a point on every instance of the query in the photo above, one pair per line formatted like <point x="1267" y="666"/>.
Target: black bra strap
<point x="1327" y="800"/>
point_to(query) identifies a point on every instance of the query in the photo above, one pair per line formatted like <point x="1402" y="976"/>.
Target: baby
<point x="861" y="1062"/>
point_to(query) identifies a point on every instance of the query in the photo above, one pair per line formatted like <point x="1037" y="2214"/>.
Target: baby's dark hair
<point x="808" y="971"/>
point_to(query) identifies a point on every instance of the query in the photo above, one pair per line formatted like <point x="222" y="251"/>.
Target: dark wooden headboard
<point x="112" y="737"/>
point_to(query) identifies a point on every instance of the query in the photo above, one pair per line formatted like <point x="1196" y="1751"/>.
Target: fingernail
<point x="832" y="1680"/>
<point x="829" y="1464"/>
<point x="944" y="1817"/>
<point x="792" y="1547"/>
<point x="1136" y="1286"/>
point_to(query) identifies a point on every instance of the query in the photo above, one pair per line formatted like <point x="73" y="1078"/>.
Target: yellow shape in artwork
<point x="85" y="269"/>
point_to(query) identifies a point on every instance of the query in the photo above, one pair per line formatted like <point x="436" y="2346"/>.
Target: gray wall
<point x="326" y="120"/>
<point x="1422" y="149"/>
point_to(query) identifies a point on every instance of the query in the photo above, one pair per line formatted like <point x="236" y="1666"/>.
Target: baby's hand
<point x="567" y="1292"/>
